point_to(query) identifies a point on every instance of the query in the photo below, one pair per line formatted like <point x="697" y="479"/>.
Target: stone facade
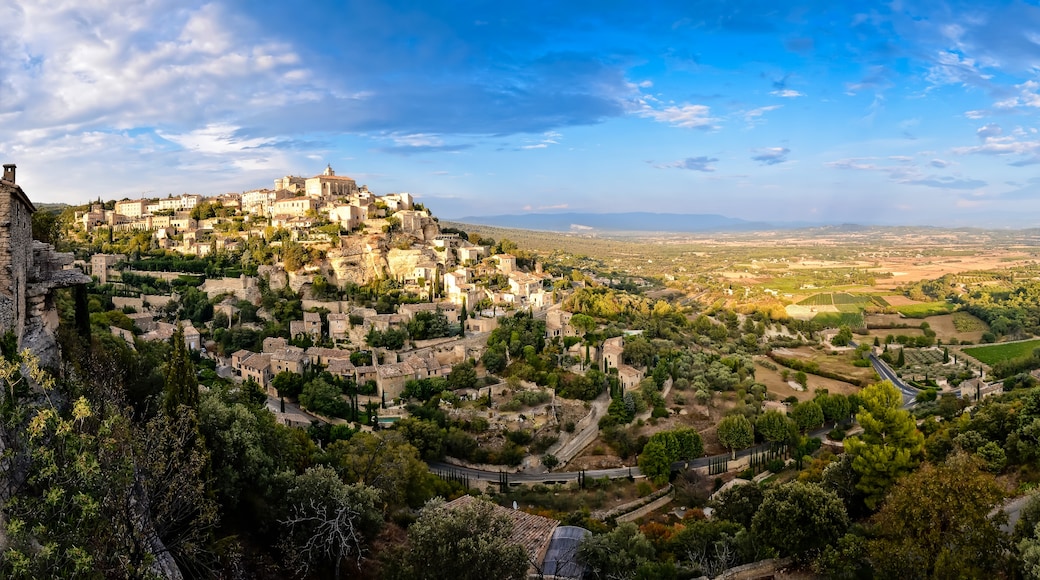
<point x="29" y="271"/>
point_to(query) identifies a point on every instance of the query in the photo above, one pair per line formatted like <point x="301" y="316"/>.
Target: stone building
<point x="328" y="184"/>
<point x="29" y="271"/>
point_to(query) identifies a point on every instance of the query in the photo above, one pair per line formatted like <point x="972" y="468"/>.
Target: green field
<point x="839" y="319"/>
<point x="995" y="353"/>
<point x="926" y="309"/>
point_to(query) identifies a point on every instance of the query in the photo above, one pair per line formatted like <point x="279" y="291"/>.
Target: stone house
<point x="290" y="359"/>
<point x="192" y="337"/>
<point x="339" y="326"/>
<point x="558" y="323"/>
<point x="273" y="343"/>
<point x="628" y="376"/>
<point x="237" y="357"/>
<point x="258" y="368"/>
<point x="342" y="368"/>
<point x="449" y="310"/>
<point x="613" y="348"/>
<point x="390" y="378"/>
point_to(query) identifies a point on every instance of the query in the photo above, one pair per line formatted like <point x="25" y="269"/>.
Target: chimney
<point x="9" y="172"/>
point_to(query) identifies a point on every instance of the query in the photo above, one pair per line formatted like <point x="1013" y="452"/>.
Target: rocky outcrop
<point x="402" y="263"/>
<point x="48" y="272"/>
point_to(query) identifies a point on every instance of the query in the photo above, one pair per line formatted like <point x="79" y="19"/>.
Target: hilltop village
<point x="328" y="233"/>
<point x="283" y="381"/>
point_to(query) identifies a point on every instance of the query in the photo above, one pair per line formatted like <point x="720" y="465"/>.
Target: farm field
<point x="838" y="364"/>
<point x="994" y="353"/>
<point x="959" y="326"/>
<point x="925" y="309"/>
<point x="778" y="386"/>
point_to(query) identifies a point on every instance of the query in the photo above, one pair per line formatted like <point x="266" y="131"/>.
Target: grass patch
<point x="926" y="309"/>
<point x="995" y="353"/>
<point x="818" y="300"/>
<point x="839" y="319"/>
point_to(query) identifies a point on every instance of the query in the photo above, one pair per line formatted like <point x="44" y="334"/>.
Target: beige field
<point x="943" y="325"/>
<point x="912" y="269"/>
<point x="945" y="329"/>
<point x="898" y="300"/>
<point x="775" y="384"/>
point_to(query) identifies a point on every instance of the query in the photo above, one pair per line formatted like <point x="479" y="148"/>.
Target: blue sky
<point x="901" y="113"/>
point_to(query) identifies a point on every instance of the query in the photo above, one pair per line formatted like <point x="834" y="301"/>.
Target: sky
<point x="826" y="112"/>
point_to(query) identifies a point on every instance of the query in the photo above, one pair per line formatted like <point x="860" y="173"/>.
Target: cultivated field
<point x="775" y="384"/>
<point x="994" y="353"/>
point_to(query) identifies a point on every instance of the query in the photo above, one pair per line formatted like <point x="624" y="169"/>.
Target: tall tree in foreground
<point x="936" y="524"/>
<point x="469" y="542"/>
<point x="182" y="382"/>
<point x="890" y="445"/>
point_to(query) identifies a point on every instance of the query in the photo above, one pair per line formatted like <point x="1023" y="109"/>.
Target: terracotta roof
<point x="257" y="362"/>
<point x="530" y="531"/>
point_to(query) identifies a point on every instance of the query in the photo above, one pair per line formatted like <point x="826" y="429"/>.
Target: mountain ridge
<point x="626" y="221"/>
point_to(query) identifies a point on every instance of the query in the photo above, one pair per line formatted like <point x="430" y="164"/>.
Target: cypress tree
<point x="182" y="384"/>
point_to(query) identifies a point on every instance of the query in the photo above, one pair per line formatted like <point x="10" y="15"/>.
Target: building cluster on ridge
<point x="448" y="269"/>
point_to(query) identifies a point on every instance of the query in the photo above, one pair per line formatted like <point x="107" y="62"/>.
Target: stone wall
<point x="15" y="252"/>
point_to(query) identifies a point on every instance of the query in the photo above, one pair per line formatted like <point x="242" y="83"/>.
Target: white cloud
<point x="687" y="116"/>
<point x="755" y="115"/>
<point x="787" y="93"/>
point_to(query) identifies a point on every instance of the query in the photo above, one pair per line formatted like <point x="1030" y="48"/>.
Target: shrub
<point x="775" y="465"/>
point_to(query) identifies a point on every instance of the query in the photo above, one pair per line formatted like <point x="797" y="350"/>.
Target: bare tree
<point x="328" y="520"/>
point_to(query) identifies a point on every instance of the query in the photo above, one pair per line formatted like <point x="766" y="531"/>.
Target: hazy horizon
<point x="913" y="113"/>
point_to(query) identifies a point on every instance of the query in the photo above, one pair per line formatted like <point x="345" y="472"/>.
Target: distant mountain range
<point x="629" y="221"/>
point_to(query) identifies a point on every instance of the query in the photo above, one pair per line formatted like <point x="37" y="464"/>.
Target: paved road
<point x="887" y="374"/>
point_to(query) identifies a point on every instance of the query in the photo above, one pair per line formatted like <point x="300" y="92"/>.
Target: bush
<point x="836" y="434"/>
<point x="569" y="426"/>
<point x="519" y="437"/>
<point x="644" y="489"/>
<point x="775" y="465"/>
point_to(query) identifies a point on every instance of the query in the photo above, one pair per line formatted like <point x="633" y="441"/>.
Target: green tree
<point x="384" y="461"/>
<point x="738" y="503"/>
<point x="182" y="382"/>
<point x="667" y="447"/>
<point x="890" y="445"/>
<point x="835" y="407"/>
<point x="774" y="426"/>
<point x="713" y="546"/>
<point x="467" y="542"/>
<point x="618" y="553"/>
<point x="735" y="432"/>
<point x="463" y="376"/>
<point x="807" y="415"/>
<point x="799" y="519"/>
<point x="935" y="524"/>
<point x="323" y="397"/>
<point x="843" y="338"/>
